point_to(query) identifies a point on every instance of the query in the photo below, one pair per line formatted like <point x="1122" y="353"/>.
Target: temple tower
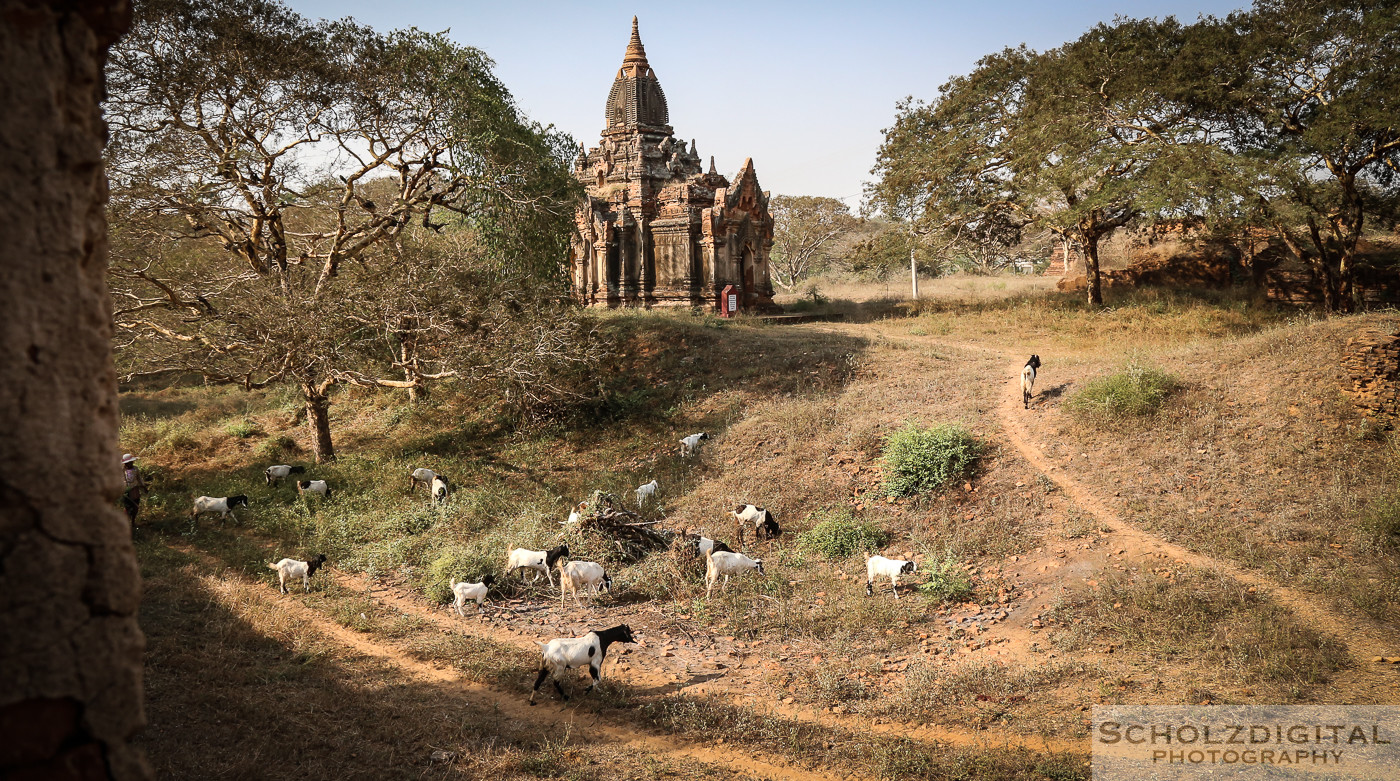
<point x="655" y="228"/>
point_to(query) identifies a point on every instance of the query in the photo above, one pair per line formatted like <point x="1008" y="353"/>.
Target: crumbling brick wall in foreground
<point x="1372" y="364"/>
<point x="70" y="647"/>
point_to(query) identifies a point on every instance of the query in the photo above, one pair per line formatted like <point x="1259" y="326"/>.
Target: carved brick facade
<point x="655" y="229"/>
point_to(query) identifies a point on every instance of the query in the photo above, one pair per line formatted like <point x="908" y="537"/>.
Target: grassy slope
<point x="798" y="414"/>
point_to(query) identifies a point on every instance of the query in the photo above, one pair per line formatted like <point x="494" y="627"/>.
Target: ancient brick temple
<point x="655" y="228"/>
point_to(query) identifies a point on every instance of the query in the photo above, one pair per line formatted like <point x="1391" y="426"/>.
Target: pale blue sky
<point x="802" y="88"/>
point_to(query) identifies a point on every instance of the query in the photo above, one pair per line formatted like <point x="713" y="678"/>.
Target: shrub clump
<point x="1137" y="391"/>
<point x="1382" y="519"/>
<point x="838" y="535"/>
<point x="917" y="460"/>
<point x="948" y="580"/>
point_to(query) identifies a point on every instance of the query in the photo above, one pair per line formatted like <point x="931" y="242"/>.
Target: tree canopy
<point x="320" y="203"/>
<point x="1283" y="115"/>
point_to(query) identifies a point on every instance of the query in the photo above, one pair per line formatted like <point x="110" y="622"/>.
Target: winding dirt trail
<point x="1365" y="639"/>
<point x="744" y="763"/>
<point x="736" y="692"/>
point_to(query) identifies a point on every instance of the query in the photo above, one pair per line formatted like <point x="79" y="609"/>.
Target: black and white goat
<point x="223" y="505"/>
<point x="292" y="568"/>
<point x="764" y="524"/>
<point x="726" y="563"/>
<point x="704" y="545"/>
<point x="587" y="574"/>
<point x="538" y="560"/>
<point x="314" y="487"/>
<point x="468" y="591"/>
<point x="440" y="488"/>
<point x="564" y="653"/>
<point x="880" y="567"/>
<point x="1028" y="380"/>
<point x="691" y="445"/>
<point x="275" y="474"/>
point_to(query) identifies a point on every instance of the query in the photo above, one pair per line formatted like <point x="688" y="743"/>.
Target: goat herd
<point x="561" y="654"/>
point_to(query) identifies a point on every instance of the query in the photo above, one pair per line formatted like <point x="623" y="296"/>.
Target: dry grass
<point x="798" y="416"/>
<point x="288" y="703"/>
<point x="1237" y="635"/>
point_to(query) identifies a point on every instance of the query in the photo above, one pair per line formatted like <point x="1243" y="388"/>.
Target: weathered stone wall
<point x="1372" y="364"/>
<point x="70" y="648"/>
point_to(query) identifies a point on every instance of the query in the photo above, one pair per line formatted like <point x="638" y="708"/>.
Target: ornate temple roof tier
<point x="655" y="227"/>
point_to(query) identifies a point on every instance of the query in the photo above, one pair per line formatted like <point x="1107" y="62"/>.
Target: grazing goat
<point x="727" y="563"/>
<point x="1028" y="380"/>
<point x="291" y="568"/>
<point x="223" y="505"/>
<point x="575" y="513"/>
<point x="476" y="591"/>
<point x="538" y="560"/>
<point x="314" y="487"/>
<point x="765" y="526"/>
<point x="691" y="444"/>
<point x="563" y="653"/>
<point x="439" y="488"/>
<point x="647" y="491"/>
<point x="274" y="474"/>
<point x="589" y="574"/>
<point x="704" y="545"/>
<point x="420" y="476"/>
<point x="879" y="567"/>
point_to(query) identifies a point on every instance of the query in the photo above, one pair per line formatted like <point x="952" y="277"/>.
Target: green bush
<point x="1382" y="519"/>
<point x="1137" y="391"/>
<point x="242" y="428"/>
<point x="838" y="535"/>
<point x="918" y="459"/>
<point x="947" y="579"/>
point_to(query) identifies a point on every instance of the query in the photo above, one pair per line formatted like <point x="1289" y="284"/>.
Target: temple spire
<point x="636" y="53"/>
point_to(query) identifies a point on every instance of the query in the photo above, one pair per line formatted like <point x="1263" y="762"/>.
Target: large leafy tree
<point x="1309" y="91"/>
<point x="278" y="191"/>
<point x="1079" y="140"/>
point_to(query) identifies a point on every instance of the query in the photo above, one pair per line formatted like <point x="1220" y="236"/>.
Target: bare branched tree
<point x="279" y="186"/>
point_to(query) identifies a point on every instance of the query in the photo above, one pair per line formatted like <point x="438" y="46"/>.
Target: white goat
<point x="439" y="488"/>
<point x="879" y="567"/>
<point x="292" y="568"/>
<point x="691" y="445"/>
<point x="563" y="653"/>
<point x="1028" y="380"/>
<point x="314" y="487"/>
<point x="574" y="513"/>
<point x="725" y="563"/>
<point x="421" y="476"/>
<point x="647" y="491"/>
<point x="588" y="574"/>
<point x="275" y="474"/>
<point x="538" y="560"/>
<point x="223" y="505"/>
<point x="466" y="591"/>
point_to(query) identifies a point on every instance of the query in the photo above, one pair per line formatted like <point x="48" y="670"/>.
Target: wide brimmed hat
<point x="128" y="458"/>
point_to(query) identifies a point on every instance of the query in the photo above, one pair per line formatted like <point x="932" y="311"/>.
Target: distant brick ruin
<point x="655" y="228"/>
<point x="1372" y="364"/>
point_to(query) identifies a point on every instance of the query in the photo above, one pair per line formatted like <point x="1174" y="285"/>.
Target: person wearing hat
<point x="135" y="487"/>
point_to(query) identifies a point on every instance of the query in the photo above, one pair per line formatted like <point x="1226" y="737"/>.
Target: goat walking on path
<point x="1028" y="380"/>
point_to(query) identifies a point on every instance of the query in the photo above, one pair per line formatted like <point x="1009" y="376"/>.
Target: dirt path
<point x="743" y="762"/>
<point x="735" y="690"/>
<point x="1364" y="638"/>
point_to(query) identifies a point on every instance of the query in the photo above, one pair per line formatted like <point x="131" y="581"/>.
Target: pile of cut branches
<point x="603" y="516"/>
